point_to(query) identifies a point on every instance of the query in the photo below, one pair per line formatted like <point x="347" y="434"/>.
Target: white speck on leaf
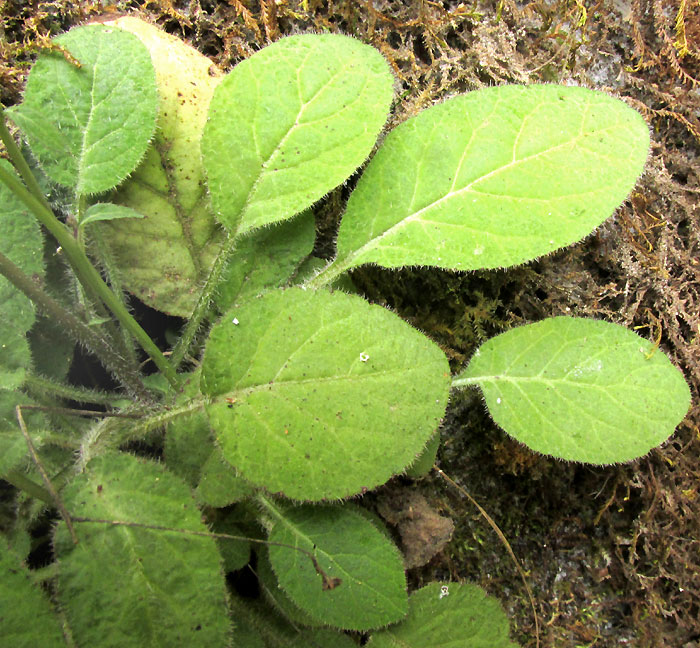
<point x="498" y="400"/>
<point x="235" y="321"/>
<point x="364" y="357"/>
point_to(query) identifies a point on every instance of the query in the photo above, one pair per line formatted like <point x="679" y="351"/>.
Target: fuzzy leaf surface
<point x="494" y="178"/>
<point x="219" y="485"/>
<point x="579" y="389"/>
<point x="106" y="212"/>
<point x="463" y="618"/>
<point x="89" y="126"/>
<point x="13" y="446"/>
<point x="321" y="395"/>
<point x="22" y="243"/>
<point x="265" y="259"/>
<point x="26" y="620"/>
<point x="276" y="596"/>
<point x="127" y="586"/>
<point x="291" y="123"/>
<point x="372" y="587"/>
<point x="165" y="257"/>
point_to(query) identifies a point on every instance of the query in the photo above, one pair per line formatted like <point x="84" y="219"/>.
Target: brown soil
<point x="611" y="554"/>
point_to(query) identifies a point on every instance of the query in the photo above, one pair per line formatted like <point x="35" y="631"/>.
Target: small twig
<point x="47" y="482"/>
<point x="505" y="543"/>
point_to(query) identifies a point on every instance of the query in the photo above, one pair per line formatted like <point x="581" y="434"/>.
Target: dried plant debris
<point x="423" y="531"/>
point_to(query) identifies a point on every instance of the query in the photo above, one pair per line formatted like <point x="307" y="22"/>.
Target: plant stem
<point x="201" y="310"/>
<point x="58" y="502"/>
<point x="104" y="434"/>
<point x="46" y="386"/>
<point x="22" y="482"/>
<point x="87" y="274"/>
<point x="19" y="162"/>
<point x="328" y="275"/>
<point x="111" y="360"/>
<point x="458" y="383"/>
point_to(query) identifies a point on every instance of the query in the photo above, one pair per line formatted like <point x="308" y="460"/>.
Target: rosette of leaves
<point x="305" y="395"/>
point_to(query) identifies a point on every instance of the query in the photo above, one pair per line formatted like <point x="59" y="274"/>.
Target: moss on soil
<point x="611" y="554"/>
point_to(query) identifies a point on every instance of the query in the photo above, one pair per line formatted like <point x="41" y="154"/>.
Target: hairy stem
<point x="87" y="274"/>
<point x="46" y="387"/>
<point x="112" y="434"/>
<point x="86" y="336"/>
<point x="327" y="275"/>
<point x="58" y="502"/>
<point x="201" y="310"/>
<point x="19" y="162"/>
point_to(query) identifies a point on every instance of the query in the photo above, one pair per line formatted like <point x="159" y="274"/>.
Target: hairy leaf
<point x="235" y="553"/>
<point x="321" y="395"/>
<point x="494" y="178"/>
<point x="277" y="597"/>
<point x="26" y="620"/>
<point x="448" y="615"/>
<point x="579" y="389"/>
<point x="127" y="586"/>
<point x="90" y="125"/>
<point x="165" y="258"/>
<point x="106" y="212"/>
<point x="291" y="123"/>
<point x="265" y="259"/>
<point x="364" y="585"/>
<point x="13" y="445"/>
<point x="22" y="243"/>
<point x="219" y="485"/>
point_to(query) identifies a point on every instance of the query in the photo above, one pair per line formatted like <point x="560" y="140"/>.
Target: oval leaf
<point x="448" y="615"/>
<point x="165" y="258"/>
<point x="291" y="123"/>
<point x="494" y="178"/>
<point x="321" y="395"/>
<point x="126" y="586"/>
<point x="364" y="584"/>
<point x="26" y="620"/>
<point x="579" y="389"/>
<point x="89" y="126"/>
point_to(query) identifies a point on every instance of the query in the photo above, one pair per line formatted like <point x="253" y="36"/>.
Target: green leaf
<point x="371" y="590"/>
<point x="127" y="586"/>
<point x="188" y="441"/>
<point x="321" y="395"/>
<point x="26" y="620"/>
<point x="219" y="485"/>
<point x="51" y="349"/>
<point x="165" y="258"/>
<point x="22" y="243"/>
<point x="494" y="178"/>
<point x="13" y="445"/>
<point x="107" y="211"/>
<point x="579" y="389"/>
<point x="425" y="462"/>
<point x="265" y="259"/>
<point x="291" y="123"/>
<point x="89" y="126"/>
<point x="235" y="553"/>
<point x="277" y="597"/>
<point x="448" y="615"/>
